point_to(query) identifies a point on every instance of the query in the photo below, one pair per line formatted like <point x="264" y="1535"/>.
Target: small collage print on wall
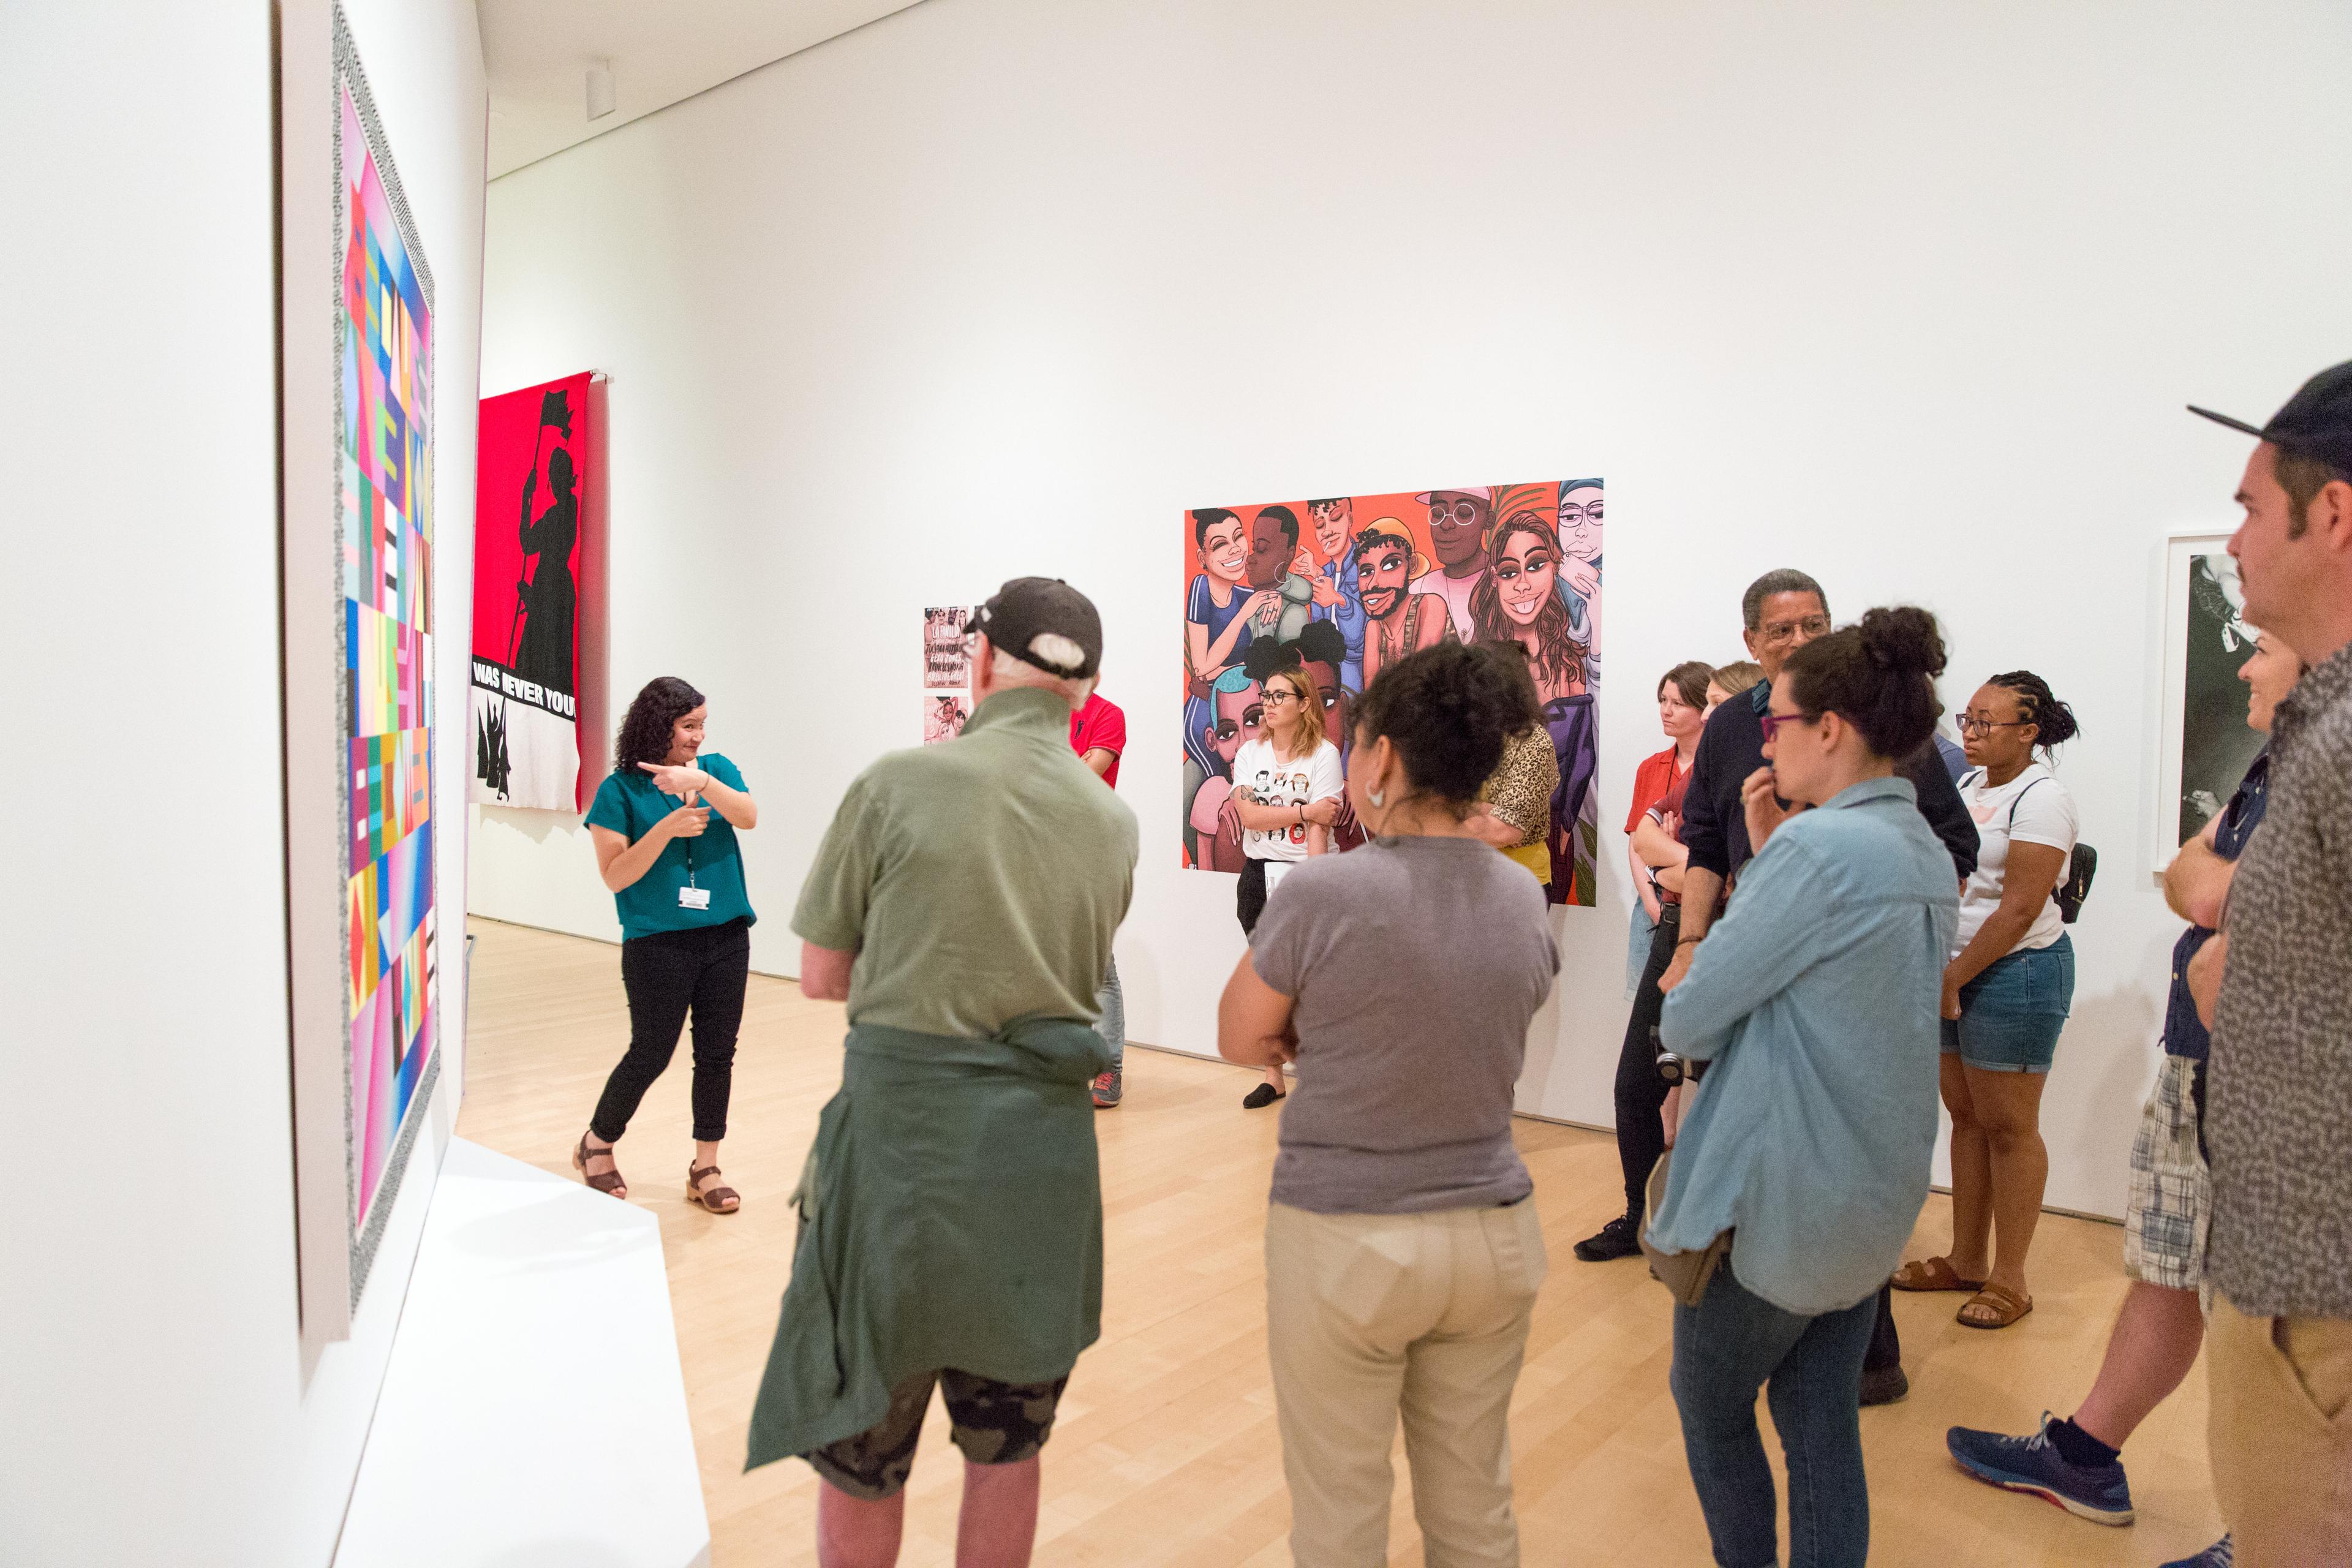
<point x="947" y="675"/>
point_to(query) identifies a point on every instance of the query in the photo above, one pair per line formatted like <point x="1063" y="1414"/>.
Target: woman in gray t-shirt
<point x="1403" y="1251"/>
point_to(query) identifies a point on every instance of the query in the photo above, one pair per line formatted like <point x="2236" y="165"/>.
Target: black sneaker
<point x="1620" y="1237"/>
<point x="1884" y="1384"/>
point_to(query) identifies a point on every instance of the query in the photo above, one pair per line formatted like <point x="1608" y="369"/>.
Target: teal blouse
<point x="629" y="804"/>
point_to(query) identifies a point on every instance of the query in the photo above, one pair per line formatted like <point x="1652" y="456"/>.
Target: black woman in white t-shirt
<point x="2006" y="995"/>
<point x="1285" y="797"/>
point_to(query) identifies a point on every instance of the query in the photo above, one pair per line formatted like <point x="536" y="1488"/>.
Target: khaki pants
<point x="2281" y="1435"/>
<point x="1426" y="1314"/>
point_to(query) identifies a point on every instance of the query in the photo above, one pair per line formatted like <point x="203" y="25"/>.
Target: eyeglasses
<point x="1570" y="513"/>
<point x="1462" y="512"/>
<point x="1780" y="632"/>
<point x="1772" y="722"/>
<point x="1970" y="724"/>
<point x="1279" y="694"/>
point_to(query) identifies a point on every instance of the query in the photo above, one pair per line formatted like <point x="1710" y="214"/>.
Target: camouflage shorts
<point x="993" y="1423"/>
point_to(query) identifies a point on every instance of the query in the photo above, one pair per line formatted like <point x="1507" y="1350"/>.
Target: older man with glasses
<point x="1782" y="611"/>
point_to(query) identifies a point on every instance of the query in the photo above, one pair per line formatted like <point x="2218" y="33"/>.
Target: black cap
<point x="1029" y="607"/>
<point x="2315" y="422"/>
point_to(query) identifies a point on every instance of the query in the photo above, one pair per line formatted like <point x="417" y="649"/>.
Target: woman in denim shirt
<point x="1815" y="998"/>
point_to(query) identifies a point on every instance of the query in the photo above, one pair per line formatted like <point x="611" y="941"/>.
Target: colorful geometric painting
<point x="385" y="530"/>
<point x="1341" y="584"/>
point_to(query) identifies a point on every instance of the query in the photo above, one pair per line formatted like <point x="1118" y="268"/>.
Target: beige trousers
<point x="1370" y="1316"/>
<point x="2281" y="1435"/>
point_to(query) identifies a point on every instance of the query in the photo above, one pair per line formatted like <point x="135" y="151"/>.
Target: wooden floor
<point x="1166" y="1452"/>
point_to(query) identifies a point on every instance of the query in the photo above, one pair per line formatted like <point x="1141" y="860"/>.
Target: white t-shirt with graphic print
<point x="2032" y="808"/>
<point x="1302" y="781"/>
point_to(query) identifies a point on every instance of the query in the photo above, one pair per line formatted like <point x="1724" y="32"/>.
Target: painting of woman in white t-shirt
<point x="1285" y="797"/>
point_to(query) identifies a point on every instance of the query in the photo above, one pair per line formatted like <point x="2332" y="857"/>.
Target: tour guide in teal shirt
<point x="1815" y="999"/>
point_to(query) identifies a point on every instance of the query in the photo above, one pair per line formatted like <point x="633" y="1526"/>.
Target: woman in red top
<point x="1682" y="714"/>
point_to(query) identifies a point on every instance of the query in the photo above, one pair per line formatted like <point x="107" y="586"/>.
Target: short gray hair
<point x="1781" y="580"/>
<point x="1011" y="672"/>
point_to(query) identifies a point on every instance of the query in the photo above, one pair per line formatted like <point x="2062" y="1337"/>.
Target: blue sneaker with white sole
<point x="2033" y="1465"/>
<point x="2221" y="1554"/>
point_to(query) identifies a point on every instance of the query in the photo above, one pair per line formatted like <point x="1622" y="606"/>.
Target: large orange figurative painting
<point x="1347" y="583"/>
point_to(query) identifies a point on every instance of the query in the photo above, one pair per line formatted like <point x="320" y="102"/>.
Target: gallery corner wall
<point x="158" y="1405"/>
<point x="1910" y="296"/>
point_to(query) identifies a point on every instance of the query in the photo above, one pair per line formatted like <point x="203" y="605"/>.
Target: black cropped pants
<point x="668" y="975"/>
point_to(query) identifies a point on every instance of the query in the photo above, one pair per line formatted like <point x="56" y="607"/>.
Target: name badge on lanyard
<point x="694" y="898"/>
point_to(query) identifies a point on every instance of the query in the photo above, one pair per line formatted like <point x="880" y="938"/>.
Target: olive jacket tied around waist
<point x="950" y="1216"/>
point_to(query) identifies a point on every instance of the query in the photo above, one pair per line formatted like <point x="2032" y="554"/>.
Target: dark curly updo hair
<point x="1317" y="642"/>
<point x="644" y="732"/>
<point x="1878" y="675"/>
<point x="2039" y="706"/>
<point x="1447" y="710"/>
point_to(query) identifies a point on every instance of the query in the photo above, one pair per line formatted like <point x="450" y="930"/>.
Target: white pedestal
<point x="532" y="1415"/>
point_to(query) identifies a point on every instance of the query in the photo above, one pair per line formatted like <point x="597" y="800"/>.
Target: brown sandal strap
<point x="2007" y="1307"/>
<point x="610" y="1181"/>
<point x="1932" y="1274"/>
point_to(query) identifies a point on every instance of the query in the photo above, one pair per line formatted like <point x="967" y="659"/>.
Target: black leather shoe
<point x="1261" y="1097"/>
<point x="1620" y="1237"/>
<point x="1884" y="1384"/>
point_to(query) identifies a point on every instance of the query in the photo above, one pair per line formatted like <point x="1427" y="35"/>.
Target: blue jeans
<point x="1112" y="1025"/>
<point x="1725" y="1347"/>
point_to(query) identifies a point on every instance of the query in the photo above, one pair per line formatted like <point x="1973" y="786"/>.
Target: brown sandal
<point x="1932" y="1274"/>
<point x="608" y="1180"/>
<point x="718" y="1200"/>
<point x="2003" y="1305"/>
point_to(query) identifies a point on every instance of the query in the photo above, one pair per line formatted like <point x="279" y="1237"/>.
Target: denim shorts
<point x="2010" y="1014"/>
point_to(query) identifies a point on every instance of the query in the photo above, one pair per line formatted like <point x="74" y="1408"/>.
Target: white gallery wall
<point x="1908" y="296"/>
<point x="154" y="1408"/>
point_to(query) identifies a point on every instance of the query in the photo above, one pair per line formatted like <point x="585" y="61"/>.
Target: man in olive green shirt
<point x="962" y="904"/>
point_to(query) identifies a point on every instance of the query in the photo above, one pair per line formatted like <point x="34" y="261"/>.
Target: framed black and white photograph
<point x="2204" y="743"/>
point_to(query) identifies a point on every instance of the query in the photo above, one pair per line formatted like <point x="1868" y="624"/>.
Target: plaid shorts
<point x="993" y="1423"/>
<point x="2171" y="1200"/>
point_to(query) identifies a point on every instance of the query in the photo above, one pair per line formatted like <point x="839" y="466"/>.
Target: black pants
<point x="1249" y="895"/>
<point x="667" y="974"/>
<point x="1641" y="1094"/>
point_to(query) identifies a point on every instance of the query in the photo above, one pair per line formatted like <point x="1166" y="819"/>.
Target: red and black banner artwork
<point x="538" y="537"/>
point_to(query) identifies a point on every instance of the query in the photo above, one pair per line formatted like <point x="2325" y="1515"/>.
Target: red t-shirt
<point x="1100" y="726"/>
<point x="1655" y="776"/>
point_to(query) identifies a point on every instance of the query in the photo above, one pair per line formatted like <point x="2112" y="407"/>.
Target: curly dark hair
<point x="646" y="730"/>
<point x="2039" y="706"/>
<point x="1878" y="675"/>
<point x="1448" y="710"/>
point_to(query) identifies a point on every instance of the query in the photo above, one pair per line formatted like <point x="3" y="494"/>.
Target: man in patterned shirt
<point x="2279" y="1095"/>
